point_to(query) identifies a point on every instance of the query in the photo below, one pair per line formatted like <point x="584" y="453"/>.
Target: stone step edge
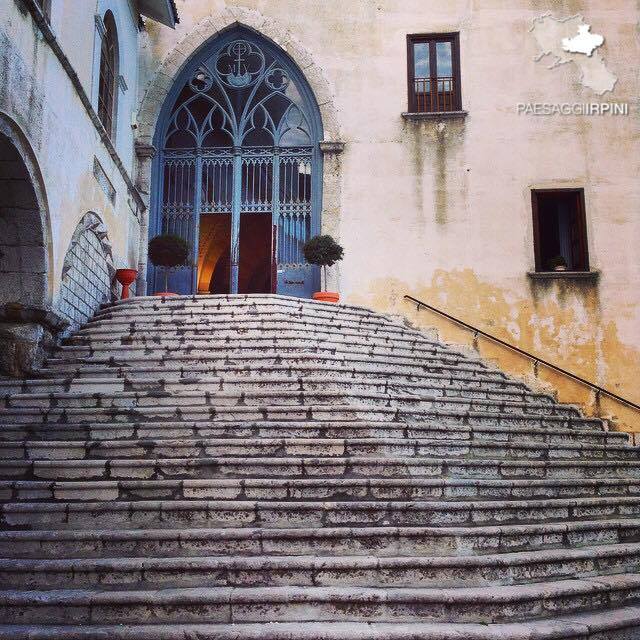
<point x="321" y="563"/>
<point x="392" y="595"/>
<point x="168" y="505"/>
<point x="247" y="300"/>
<point x="260" y="533"/>
<point x="300" y="395"/>
<point x="316" y="424"/>
<point x="343" y="377"/>
<point x="304" y="461"/>
<point x="266" y="441"/>
<point x="298" y="483"/>
<point x="580" y="626"/>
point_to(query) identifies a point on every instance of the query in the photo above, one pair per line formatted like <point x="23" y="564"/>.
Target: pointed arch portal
<point x="239" y="170"/>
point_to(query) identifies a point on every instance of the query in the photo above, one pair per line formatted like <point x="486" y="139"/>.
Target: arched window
<point x="107" y="95"/>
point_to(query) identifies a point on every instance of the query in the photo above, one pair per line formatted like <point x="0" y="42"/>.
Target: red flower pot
<point x="326" y="296"/>
<point x="126" y="278"/>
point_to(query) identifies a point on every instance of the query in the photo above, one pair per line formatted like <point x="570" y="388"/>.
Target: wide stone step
<point x="213" y="324"/>
<point x="221" y="415"/>
<point x="293" y="604"/>
<point x="188" y="401"/>
<point x="381" y="541"/>
<point x="431" y="428"/>
<point x="315" y="489"/>
<point x="173" y="513"/>
<point x="343" y="467"/>
<point x="178" y="335"/>
<point x="256" y="305"/>
<point x="318" y="447"/>
<point x="613" y="624"/>
<point x="248" y="361"/>
<point x="211" y="384"/>
<point x="329" y="571"/>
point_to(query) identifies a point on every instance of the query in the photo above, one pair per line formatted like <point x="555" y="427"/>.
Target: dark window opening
<point x="108" y="74"/>
<point x="560" y="230"/>
<point x="434" y="73"/>
<point x="45" y="7"/>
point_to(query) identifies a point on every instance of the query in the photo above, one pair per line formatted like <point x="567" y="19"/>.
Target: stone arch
<point x="25" y="236"/>
<point x="88" y="271"/>
<point x="213" y="26"/>
<point x="158" y="89"/>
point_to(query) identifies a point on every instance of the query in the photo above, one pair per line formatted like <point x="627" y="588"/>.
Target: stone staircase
<point x="261" y="467"/>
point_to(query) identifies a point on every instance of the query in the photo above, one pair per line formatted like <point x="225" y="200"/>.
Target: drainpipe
<point x="145" y="153"/>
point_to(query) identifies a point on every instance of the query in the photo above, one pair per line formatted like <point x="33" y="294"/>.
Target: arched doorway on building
<point x="238" y="172"/>
<point x="23" y="247"/>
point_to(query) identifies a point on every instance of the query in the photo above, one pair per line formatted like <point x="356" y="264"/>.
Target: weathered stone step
<point x="613" y="624"/>
<point x="173" y="513"/>
<point x="430" y="428"/>
<point x="250" y="360"/>
<point x="178" y="335"/>
<point x="328" y="571"/>
<point x="381" y="541"/>
<point x="368" y="467"/>
<point x="406" y="447"/>
<point x="213" y="324"/>
<point x="239" y="305"/>
<point x="293" y="604"/>
<point x="193" y="401"/>
<point x="213" y="384"/>
<point x="315" y="489"/>
<point x="246" y="352"/>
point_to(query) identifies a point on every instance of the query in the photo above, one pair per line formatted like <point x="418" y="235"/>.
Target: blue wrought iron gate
<point x="240" y="138"/>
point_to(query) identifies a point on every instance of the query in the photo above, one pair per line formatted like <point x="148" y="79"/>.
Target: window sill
<point x="564" y="275"/>
<point x="434" y="115"/>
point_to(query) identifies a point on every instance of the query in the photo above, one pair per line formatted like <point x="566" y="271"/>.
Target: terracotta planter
<point x="126" y="277"/>
<point x="165" y="293"/>
<point x="326" y="296"/>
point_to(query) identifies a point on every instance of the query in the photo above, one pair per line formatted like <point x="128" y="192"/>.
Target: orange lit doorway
<point x="256" y="253"/>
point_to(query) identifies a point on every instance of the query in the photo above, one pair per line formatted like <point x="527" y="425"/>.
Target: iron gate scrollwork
<point x="240" y="137"/>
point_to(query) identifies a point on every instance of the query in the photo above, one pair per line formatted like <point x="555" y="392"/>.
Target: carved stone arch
<point x="88" y="271"/>
<point x="174" y="62"/>
<point x="25" y="226"/>
<point x="213" y="26"/>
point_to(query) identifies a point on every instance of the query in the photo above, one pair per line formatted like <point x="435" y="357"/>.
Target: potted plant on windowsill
<point x="325" y="252"/>
<point x="168" y="251"/>
<point x="558" y="263"/>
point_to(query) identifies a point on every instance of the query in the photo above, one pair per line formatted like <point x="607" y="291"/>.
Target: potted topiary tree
<point x="168" y="251"/>
<point x="325" y="252"/>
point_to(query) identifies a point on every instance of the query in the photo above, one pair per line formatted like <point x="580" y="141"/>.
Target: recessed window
<point x="560" y="230"/>
<point x="434" y="73"/>
<point x="107" y="94"/>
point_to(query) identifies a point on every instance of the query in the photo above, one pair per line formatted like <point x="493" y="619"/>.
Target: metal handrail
<point x="477" y="332"/>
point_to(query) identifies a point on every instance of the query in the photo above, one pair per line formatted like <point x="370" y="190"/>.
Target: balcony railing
<point x="435" y="95"/>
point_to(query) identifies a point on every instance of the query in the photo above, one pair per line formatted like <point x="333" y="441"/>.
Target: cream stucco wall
<point x="440" y="209"/>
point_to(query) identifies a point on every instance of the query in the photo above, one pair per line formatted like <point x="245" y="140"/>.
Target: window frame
<point x="108" y="63"/>
<point x="417" y="38"/>
<point x="582" y="224"/>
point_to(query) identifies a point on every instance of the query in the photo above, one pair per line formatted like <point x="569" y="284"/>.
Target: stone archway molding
<point x="212" y="26"/>
<point x="10" y="129"/>
<point x="163" y="79"/>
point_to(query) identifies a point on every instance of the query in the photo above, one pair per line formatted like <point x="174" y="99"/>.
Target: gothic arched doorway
<point x="239" y="173"/>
